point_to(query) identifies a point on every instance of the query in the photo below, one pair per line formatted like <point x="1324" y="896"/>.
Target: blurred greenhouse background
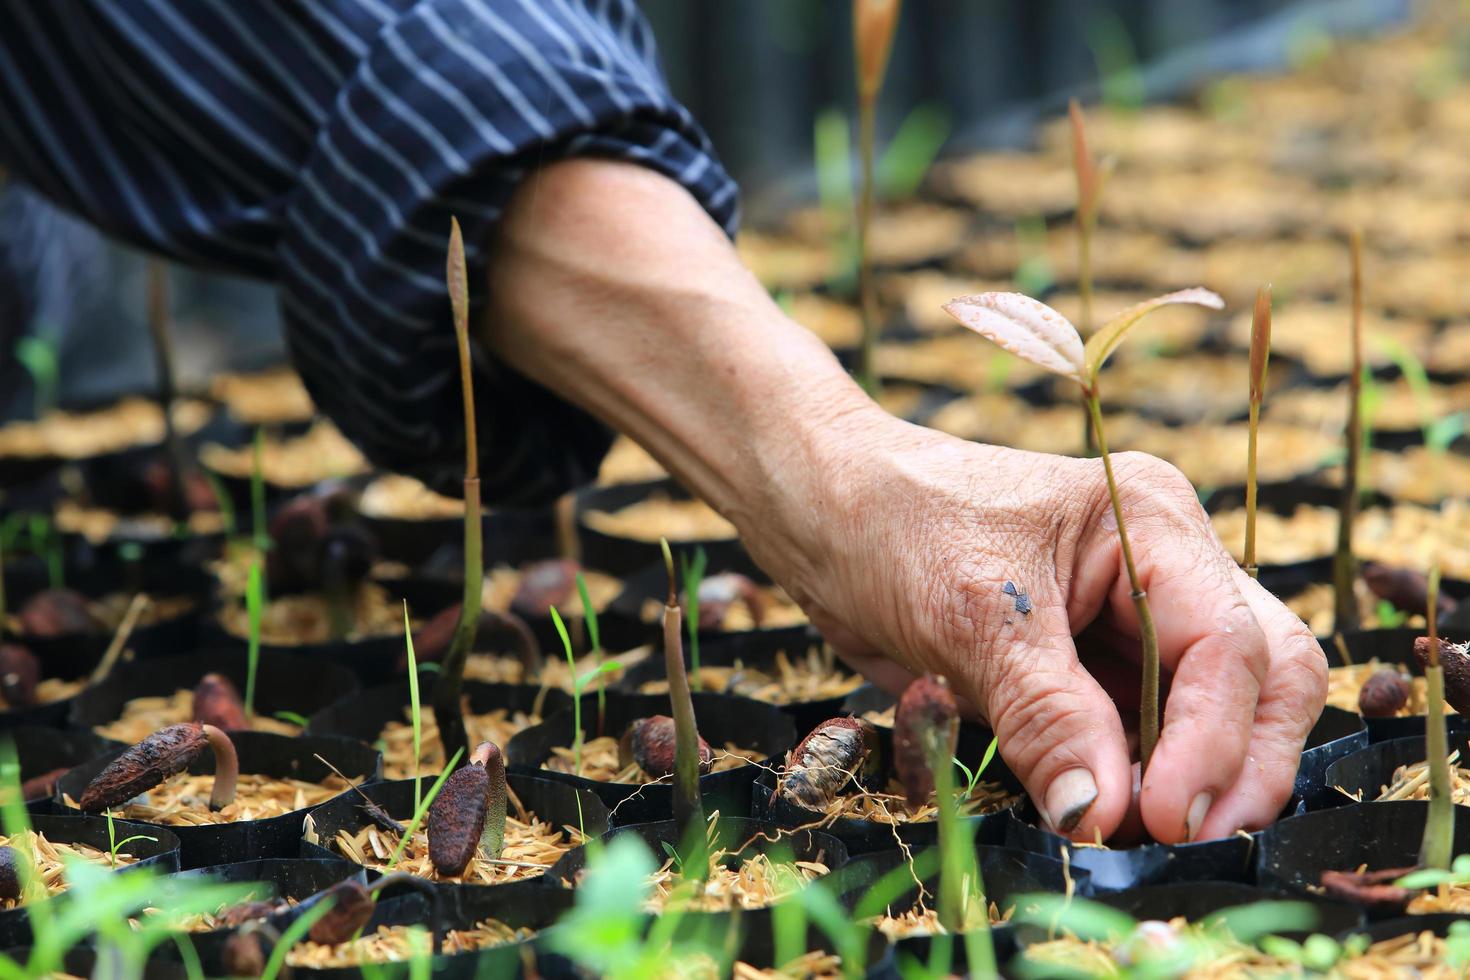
<point x="759" y="74"/>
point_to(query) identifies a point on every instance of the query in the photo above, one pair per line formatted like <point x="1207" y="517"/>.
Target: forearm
<point x="613" y="288"/>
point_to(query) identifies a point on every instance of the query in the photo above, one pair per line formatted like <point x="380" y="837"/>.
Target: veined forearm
<point x="612" y="287"/>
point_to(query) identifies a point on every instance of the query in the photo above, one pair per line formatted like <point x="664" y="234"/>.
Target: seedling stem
<point x="1439" y="825"/>
<point x="688" y="807"/>
<point x="1260" y="354"/>
<point x="873" y="23"/>
<point x="448" y="711"/>
<point x="1344" y="565"/>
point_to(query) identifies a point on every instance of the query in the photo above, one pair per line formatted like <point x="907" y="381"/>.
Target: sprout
<point x="688" y="756"/>
<point x="165" y="753"/>
<point x="1438" y="845"/>
<point x="1034" y="331"/>
<point x="874" y="23"/>
<point x="217" y="703"/>
<point x="469" y="813"/>
<point x="448" y="709"/>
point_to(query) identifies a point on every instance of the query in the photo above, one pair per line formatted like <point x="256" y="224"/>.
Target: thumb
<point x="1059" y="731"/>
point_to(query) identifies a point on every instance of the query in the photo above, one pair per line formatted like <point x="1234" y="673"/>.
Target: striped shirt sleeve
<point x="326" y="144"/>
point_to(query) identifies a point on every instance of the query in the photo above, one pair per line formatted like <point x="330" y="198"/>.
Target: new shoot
<point x="688" y="807"/>
<point x="1344" y="565"/>
<point x="1438" y="845"/>
<point x="693" y="579"/>
<point x="448" y="711"/>
<point x="874" y="23"/>
<point x="1034" y="331"/>
<point x="1260" y="354"/>
<point x="594" y="637"/>
<point x="1090" y="179"/>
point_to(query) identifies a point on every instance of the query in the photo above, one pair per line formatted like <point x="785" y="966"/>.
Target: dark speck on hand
<point x="1023" y="601"/>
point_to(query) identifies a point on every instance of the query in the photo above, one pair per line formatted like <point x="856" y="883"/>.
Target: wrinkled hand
<point x="922" y="531"/>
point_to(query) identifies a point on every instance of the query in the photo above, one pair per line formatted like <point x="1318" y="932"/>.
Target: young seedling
<point x="688" y="807"/>
<point x="577" y="736"/>
<point x="259" y="524"/>
<point x="874" y="23"/>
<point x="1034" y="331"/>
<point x="38" y="356"/>
<point x="217" y="703"/>
<point x="416" y="714"/>
<point x="594" y="638"/>
<point x="1344" y="565"/>
<point x="114" y="846"/>
<point x="447" y="708"/>
<point x="423" y="808"/>
<point x="469" y="813"/>
<point x="165" y="753"/>
<point x="254" y="612"/>
<point x="926" y="728"/>
<point x="693" y="580"/>
<point x="1260" y="354"/>
<point x="1438" y="845"/>
<point x="163" y="361"/>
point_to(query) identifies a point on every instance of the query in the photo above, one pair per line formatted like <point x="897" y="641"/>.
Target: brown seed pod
<point x="1374" y="889"/>
<point x="217" y="703"/>
<point x="57" y="612"/>
<point x="165" y="753"/>
<point x="244" y="955"/>
<point x="457" y="816"/>
<point x="237" y="915"/>
<point x="1383" y="694"/>
<point x="650" y="743"/>
<point x="43" y="785"/>
<point x="20" y="672"/>
<point x="544" y="584"/>
<point x="9" y="873"/>
<point x="352" y="908"/>
<point x="1455" y="659"/>
<point x="823" y="763"/>
<point x="927" y="720"/>
<point x="1406" y="589"/>
<point x="718" y="593"/>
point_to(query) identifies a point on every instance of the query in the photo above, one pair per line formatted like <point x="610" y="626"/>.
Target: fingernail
<point x="1196" y="816"/>
<point x="1069" y="798"/>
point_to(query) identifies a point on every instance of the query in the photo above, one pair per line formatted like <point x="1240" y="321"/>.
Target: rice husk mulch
<point x="807" y="678"/>
<point x="555" y="672"/>
<point x="393" y="944"/>
<point x="732" y="881"/>
<point x="1345" y="683"/>
<point x="143" y="716"/>
<point x="777" y="611"/>
<point x="922" y="919"/>
<point x="133" y="421"/>
<point x="1411" y="782"/>
<point x="600" y="761"/>
<point x="396" y="739"/>
<point x="531" y="846"/>
<point x="501" y="584"/>
<point x="891" y="807"/>
<point x="50" y="857"/>
<point x="98" y="525"/>
<point x="183" y="800"/>
<point x="323" y="453"/>
<point x="206" y="921"/>
<point x="816" y="964"/>
<point x="303" y="618"/>
<point x="659" y="517"/>
<point x="50" y="690"/>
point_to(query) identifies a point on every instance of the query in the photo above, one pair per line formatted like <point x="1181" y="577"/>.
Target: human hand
<point x="913" y="540"/>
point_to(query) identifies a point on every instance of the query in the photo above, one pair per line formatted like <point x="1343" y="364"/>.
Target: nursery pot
<point x="756" y="649"/>
<point x="1362" y="775"/>
<point x="1294" y="852"/>
<point x="1337" y="735"/>
<point x="721" y="719"/>
<point x="45" y="750"/>
<point x="744" y="835"/>
<point x="554" y="803"/>
<point x="282" y="683"/>
<point x="868" y="836"/>
<point x="1227" y="859"/>
<point x="510" y="536"/>
<point x="618" y="555"/>
<point x="1392" y="647"/>
<point x="363" y="716"/>
<point x="260" y="753"/>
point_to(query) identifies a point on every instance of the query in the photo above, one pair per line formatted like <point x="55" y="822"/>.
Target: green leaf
<point x="1100" y="346"/>
<point x="589" y="613"/>
<point x="911" y="152"/>
<point x="254" y="610"/>
<point x="895" y="882"/>
<point x="1083" y="919"/>
<point x="292" y="718"/>
<point x="1442" y="432"/>
<point x="38" y="356"/>
<point x="416" y="712"/>
<point x="1247" y="923"/>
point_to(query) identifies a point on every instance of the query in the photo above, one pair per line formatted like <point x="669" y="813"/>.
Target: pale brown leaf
<point x="1026" y="328"/>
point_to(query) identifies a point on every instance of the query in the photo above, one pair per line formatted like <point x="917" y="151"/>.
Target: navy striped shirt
<point x="325" y="144"/>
